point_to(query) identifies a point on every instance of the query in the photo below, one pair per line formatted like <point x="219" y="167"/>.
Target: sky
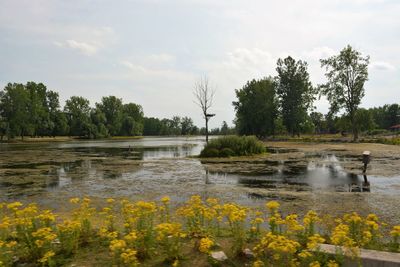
<point x="152" y="52"/>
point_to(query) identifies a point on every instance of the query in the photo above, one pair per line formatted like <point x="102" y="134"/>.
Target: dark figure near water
<point x="366" y="159"/>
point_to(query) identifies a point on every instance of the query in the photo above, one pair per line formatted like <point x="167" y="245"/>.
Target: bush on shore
<point x="232" y="145"/>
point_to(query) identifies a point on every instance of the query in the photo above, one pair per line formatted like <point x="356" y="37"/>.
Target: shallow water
<point x="155" y="166"/>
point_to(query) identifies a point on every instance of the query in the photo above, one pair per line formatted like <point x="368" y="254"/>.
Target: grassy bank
<point x="124" y="233"/>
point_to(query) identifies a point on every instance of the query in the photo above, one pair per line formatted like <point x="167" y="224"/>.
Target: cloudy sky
<point x="151" y="52"/>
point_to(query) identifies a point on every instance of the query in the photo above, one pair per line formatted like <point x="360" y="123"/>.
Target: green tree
<point x="295" y="93"/>
<point x="256" y="108"/>
<point x="54" y="115"/>
<point x="15" y="110"/>
<point x="224" y="128"/>
<point x="112" y="108"/>
<point x="132" y="122"/>
<point x="152" y="126"/>
<point x="98" y="118"/>
<point x="186" y="125"/>
<point x="78" y="110"/>
<point x="317" y="118"/>
<point x="175" y="125"/>
<point x="392" y="115"/>
<point x="364" y="120"/>
<point x="60" y="124"/>
<point x="346" y="74"/>
<point x="38" y="109"/>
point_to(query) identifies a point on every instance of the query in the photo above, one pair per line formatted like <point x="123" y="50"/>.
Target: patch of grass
<point x="229" y="146"/>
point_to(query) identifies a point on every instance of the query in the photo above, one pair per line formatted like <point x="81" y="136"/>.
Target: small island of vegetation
<point x="229" y="146"/>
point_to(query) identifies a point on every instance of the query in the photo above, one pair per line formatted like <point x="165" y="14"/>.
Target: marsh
<point x="323" y="177"/>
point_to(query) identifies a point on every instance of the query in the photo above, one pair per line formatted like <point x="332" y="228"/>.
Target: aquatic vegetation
<point x="229" y="146"/>
<point x="141" y="232"/>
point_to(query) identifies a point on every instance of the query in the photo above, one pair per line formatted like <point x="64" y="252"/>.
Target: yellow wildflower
<point x="314" y="264"/>
<point x="165" y="200"/>
<point x="272" y="205"/>
<point x="395" y="231"/>
<point x="314" y="241"/>
<point x="205" y="244"/>
<point x="47" y="256"/>
<point x="332" y="263"/>
<point x="117" y="245"/>
<point x="74" y="200"/>
<point x="258" y="263"/>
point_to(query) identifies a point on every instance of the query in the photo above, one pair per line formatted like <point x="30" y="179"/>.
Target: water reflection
<point x="151" y="166"/>
<point x="325" y="174"/>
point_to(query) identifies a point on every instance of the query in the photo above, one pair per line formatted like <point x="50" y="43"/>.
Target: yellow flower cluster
<point x="396" y="231"/>
<point x="205" y="244"/>
<point x="133" y="231"/>
<point x="276" y="244"/>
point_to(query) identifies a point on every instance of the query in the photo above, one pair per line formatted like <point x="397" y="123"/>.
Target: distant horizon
<point x="152" y="52"/>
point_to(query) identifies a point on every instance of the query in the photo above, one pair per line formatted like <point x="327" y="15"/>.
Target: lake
<point x="152" y="167"/>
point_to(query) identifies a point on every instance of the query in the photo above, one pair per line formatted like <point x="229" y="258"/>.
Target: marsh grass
<point x="232" y="145"/>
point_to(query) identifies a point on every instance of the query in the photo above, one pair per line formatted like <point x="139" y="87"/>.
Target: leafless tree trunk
<point x="204" y="95"/>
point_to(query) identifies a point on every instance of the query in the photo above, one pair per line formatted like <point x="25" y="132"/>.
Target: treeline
<point x="284" y="104"/>
<point x="33" y="110"/>
<point x="181" y="126"/>
<point x="370" y="121"/>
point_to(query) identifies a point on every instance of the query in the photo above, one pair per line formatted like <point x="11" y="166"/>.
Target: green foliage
<point x="34" y="110"/>
<point x="209" y="152"/>
<point x="386" y="116"/>
<point x="377" y="132"/>
<point x="256" y="108"/>
<point x="233" y="146"/>
<point x="226" y="152"/>
<point x="295" y="93"/>
<point x="346" y="74"/>
<point x="174" y="126"/>
<point x="78" y="112"/>
<point x="224" y="128"/>
<point x="111" y="107"/>
<point x="317" y="119"/>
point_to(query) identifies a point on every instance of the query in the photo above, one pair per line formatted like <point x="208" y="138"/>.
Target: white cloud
<point x="85" y="48"/>
<point x="155" y="75"/>
<point x="162" y="58"/>
<point x="318" y="53"/>
<point x="382" y="65"/>
<point x="252" y="57"/>
<point x="100" y="37"/>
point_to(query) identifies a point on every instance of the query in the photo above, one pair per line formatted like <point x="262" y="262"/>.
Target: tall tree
<point x="204" y="96"/>
<point x="53" y="109"/>
<point x="224" y="128"/>
<point x="112" y="106"/>
<point x="256" y="108"/>
<point x="346" y="74"/>
<point x="15" y="110"/>
<point x="186" y="126"/>
<point x="295" y="93"/>
<point x="77" y="110"/>
<point x="317" y="119"/>
<point x="38" y="108"/>
<point x="132" y="121"/>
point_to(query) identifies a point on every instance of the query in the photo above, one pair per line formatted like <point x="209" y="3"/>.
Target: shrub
<point x="226" y="152"/>
<point x="377" y="132"/>
<point x="233" y="146"/>
<point x="209" y="152"/>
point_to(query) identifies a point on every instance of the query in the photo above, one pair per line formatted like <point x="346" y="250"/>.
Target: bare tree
<point x="204" y="95"/>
